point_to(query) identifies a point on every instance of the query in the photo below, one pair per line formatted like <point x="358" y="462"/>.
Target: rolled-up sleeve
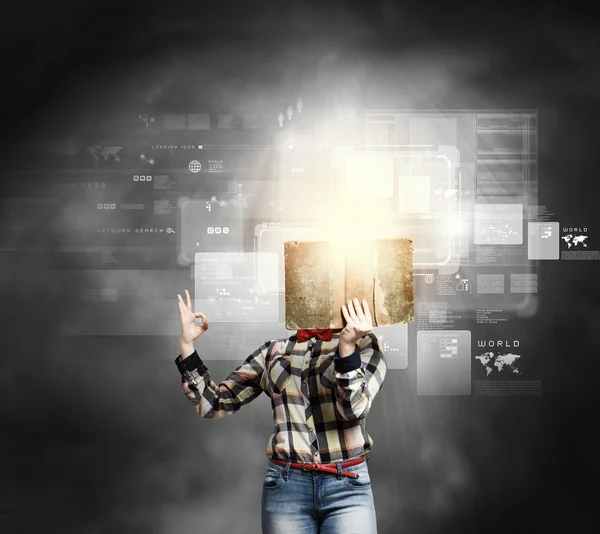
<point x="243" y="385"/>
<point x="359" y="377"/>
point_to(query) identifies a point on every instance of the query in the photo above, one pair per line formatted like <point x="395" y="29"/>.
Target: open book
<point x="319" y="278"/>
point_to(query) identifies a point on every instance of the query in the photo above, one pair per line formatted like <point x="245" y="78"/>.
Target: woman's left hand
<point x="358" y="322"/>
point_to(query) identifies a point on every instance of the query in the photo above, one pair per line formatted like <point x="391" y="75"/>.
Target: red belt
<point x="330" y="468"/>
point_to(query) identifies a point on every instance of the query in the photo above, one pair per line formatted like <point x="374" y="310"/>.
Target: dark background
<point x="95" y="434"/>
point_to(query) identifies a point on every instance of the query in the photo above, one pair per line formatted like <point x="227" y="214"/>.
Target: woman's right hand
<point x="190" y="330"/>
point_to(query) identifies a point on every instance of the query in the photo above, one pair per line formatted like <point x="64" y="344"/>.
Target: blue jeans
<point x="316" y="502"/>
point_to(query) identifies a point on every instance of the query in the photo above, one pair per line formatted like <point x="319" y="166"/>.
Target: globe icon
<point x="194" y="166"/>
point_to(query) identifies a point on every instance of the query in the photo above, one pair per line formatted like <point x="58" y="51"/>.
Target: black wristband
<point x="191" y="363"/>
<point x="348" y="363"/>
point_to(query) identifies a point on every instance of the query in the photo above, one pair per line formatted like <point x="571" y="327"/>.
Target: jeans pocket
<point x="273" y="479"/>
<point x="362" y="482"/>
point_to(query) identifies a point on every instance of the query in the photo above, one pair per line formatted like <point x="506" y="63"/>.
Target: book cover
<point x="319" y="278"/>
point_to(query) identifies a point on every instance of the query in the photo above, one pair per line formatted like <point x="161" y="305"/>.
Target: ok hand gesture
<point x="189" y="329"/>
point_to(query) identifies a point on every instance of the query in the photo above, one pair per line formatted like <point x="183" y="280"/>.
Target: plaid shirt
<point x="319" y="400"/>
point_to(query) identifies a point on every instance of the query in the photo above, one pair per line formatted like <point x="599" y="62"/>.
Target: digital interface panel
<point x="212" y="196"/>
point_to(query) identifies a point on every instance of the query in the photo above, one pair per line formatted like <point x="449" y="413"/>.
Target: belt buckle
<point x="305" y="464"/>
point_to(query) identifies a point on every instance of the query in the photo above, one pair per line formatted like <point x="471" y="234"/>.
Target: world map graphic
<point x="106" y="152"/>
<point x="501" y="363"/>
<point x="575" y="240"/>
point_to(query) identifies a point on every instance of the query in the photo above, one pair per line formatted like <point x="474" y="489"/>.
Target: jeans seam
<point x="362" y="486"/>
<point x="358" y="486"/>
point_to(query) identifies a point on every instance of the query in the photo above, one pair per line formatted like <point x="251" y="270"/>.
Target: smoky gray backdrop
<point x="95" y="433"/>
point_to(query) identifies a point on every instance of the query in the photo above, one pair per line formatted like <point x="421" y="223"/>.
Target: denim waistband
<point x="314" y="473"/>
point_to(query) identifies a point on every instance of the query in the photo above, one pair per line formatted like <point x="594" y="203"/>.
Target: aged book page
<point x="359" y="277"/>
<point x="394" y="297"/>
<point x="320" y="278"/>
<point x="307" y="284"/>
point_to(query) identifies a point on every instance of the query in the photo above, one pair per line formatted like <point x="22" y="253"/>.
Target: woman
<point x="321" y="384"/>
